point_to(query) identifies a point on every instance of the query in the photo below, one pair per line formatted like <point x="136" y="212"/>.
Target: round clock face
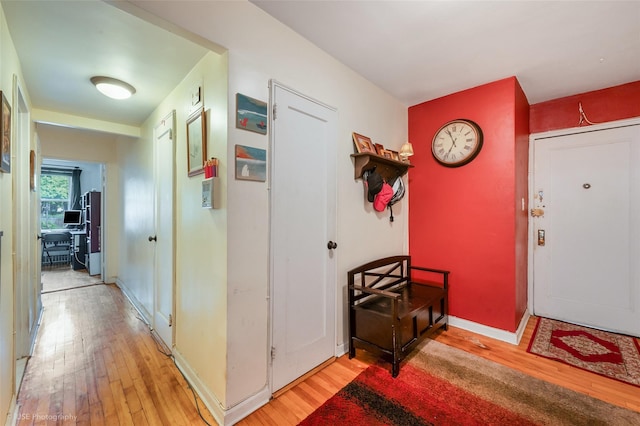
<point x="457" y="143"/>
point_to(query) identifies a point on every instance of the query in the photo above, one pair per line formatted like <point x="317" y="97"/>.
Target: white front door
<point x="587" y="232"/>
<point x="303" y="221"/>
<point x="164" y="237"/>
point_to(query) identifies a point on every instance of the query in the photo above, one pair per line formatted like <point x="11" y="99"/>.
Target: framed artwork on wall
<point x="32" y="170"/>
<point x="5" y="131"/>
<point x="251" y="114"/>
<point x="251" y="163"/>
<point x="196" y="142"/>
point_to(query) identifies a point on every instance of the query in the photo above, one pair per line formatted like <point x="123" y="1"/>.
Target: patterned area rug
<point x="608" y="354"/>
<point x="442" y="385"/>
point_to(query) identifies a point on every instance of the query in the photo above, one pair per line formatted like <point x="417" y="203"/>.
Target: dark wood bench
<point x="394" y="305"/>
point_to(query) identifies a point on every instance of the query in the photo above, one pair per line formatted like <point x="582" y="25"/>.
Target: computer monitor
<point x="72" y="217"/>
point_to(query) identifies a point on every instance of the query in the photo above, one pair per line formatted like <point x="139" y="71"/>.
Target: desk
<point x="78" y="244"/>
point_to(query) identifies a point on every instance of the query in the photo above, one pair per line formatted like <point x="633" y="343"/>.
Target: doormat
<point x="608" y="354"/>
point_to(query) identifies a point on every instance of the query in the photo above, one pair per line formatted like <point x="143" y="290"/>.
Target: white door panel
<point x="588" y="187"/>
<point x="164" y="254"/>
<point x="303" y="197"/>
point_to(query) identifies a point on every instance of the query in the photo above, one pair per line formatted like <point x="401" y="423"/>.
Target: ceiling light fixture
<point x="113" y="88"/>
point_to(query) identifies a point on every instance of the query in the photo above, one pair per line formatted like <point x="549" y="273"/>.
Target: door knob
<point x="154" y="238"/>
<point x="331" y="245"/>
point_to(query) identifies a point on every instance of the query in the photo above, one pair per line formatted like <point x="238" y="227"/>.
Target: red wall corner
<point x="464" y="219"/>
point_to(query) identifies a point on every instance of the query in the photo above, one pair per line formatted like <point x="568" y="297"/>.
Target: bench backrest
<point x="389" y="273"/>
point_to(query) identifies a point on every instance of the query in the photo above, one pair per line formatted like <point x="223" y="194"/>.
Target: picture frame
<point x="363" y="143"/>
<point x="387" y="153"/>
<point x="251" y="163"/>
<point x="5" y="132"/>
<point x="196" y="142"/>
<point x="379" y="149"/>
<point x="394" y="155"/>
<point x="32" y="170"/>
<point x="251" y="114"/>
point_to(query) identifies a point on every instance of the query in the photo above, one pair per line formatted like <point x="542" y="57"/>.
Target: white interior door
<point x="587" y="235"/>
<point x="164" y="237"/>
<point x="303" y="218"/>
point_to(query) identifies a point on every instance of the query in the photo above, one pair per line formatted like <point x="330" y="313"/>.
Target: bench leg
<point x="352" y="349"/>
<point x="395" y="368"/>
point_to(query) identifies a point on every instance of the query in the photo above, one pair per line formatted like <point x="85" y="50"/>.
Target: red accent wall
<point x="613" y="103"/>
<point x="469" y="219"/>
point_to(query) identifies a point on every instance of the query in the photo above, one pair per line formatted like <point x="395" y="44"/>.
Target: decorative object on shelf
<point x="251" y="114"/>
<point x="196" y="142"/>
<point x="379" y="149"/>
<point x="251" y="163"/>
<point x="363" y="143"/>
<point x="457" y="143"/>
<point x="211" y="168"/>
<point x="5" y="131"/>
<point x="406" y="151"/>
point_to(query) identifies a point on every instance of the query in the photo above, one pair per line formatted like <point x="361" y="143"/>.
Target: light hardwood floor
<point x="96" y="363"/>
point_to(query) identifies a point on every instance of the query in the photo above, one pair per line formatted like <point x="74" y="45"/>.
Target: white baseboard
<point x="223" y="417"/>
<point x="146" y="316"/>
<point x="494" y="333"/>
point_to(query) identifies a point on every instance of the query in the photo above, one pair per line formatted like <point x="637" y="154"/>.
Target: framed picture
<point x="363" y="143"/>
<point x="395" y="155"/>
<point x="196" y="142"/>
<point x="32" y="170"/>
<point x="251" y="163"/>
<point x="251" y="114"/>
<point x="379" y="149"/>
<point x="5" y="131"/>
<point x="387" y="153"/>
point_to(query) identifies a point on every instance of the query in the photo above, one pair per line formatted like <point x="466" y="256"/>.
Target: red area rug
<point x="611" y="355"/>
<point x="441" y="385"/>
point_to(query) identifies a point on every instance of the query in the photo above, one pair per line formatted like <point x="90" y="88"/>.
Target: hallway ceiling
<point x="422" y="50"/>
<point x="415" y="50"/>
<point x="61" y="44"/>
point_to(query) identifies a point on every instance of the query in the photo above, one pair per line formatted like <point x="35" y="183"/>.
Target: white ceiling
<point x="62" y="44"/>
<point x="415" y="50"/>
<point x="422" y="50"/>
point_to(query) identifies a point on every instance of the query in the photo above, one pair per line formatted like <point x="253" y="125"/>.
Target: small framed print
<point x="196" y="142"/>
<point x="5" y="132"/>
<point x="251" y="114"/>
<point x="363" y="143"/>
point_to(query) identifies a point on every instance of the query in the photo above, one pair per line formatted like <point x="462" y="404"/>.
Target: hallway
<point x="95" y="362"/>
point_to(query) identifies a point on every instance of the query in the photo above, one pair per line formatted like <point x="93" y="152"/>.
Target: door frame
<point x="273" y="83"/>
<point x="532" y="144"/>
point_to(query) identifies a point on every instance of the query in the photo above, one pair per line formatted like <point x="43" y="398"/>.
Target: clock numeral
<point x="453" y="128"/>
<point x="470" y="140"/>
<point x="467" y="147"/>
<point x="441" y="151"/>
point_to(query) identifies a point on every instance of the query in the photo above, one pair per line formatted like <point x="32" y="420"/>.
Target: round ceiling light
<point x="113" y="88"/>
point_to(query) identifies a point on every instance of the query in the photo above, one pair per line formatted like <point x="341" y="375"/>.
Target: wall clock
<point x="457" y="143"/>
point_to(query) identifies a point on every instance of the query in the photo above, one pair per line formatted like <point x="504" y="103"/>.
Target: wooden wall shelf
<point x="388" y="169"/>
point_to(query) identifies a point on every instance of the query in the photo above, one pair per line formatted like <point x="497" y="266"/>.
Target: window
<point x="55" y="198"/>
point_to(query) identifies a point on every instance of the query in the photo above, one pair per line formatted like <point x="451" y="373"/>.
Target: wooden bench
<point x="394" y="305"/>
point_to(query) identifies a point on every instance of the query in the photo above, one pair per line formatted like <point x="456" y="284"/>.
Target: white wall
<point x="8" y="65"/>
<point x="259" y="49"/>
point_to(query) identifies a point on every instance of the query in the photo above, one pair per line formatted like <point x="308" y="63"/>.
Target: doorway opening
<point x="71" y="212"/>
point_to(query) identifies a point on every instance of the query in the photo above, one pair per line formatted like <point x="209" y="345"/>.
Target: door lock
<point x="541" y="237"/>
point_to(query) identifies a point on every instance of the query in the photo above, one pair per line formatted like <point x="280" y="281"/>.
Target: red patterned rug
<point x="608" y="354"/>
<point x="441" y="385"/>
